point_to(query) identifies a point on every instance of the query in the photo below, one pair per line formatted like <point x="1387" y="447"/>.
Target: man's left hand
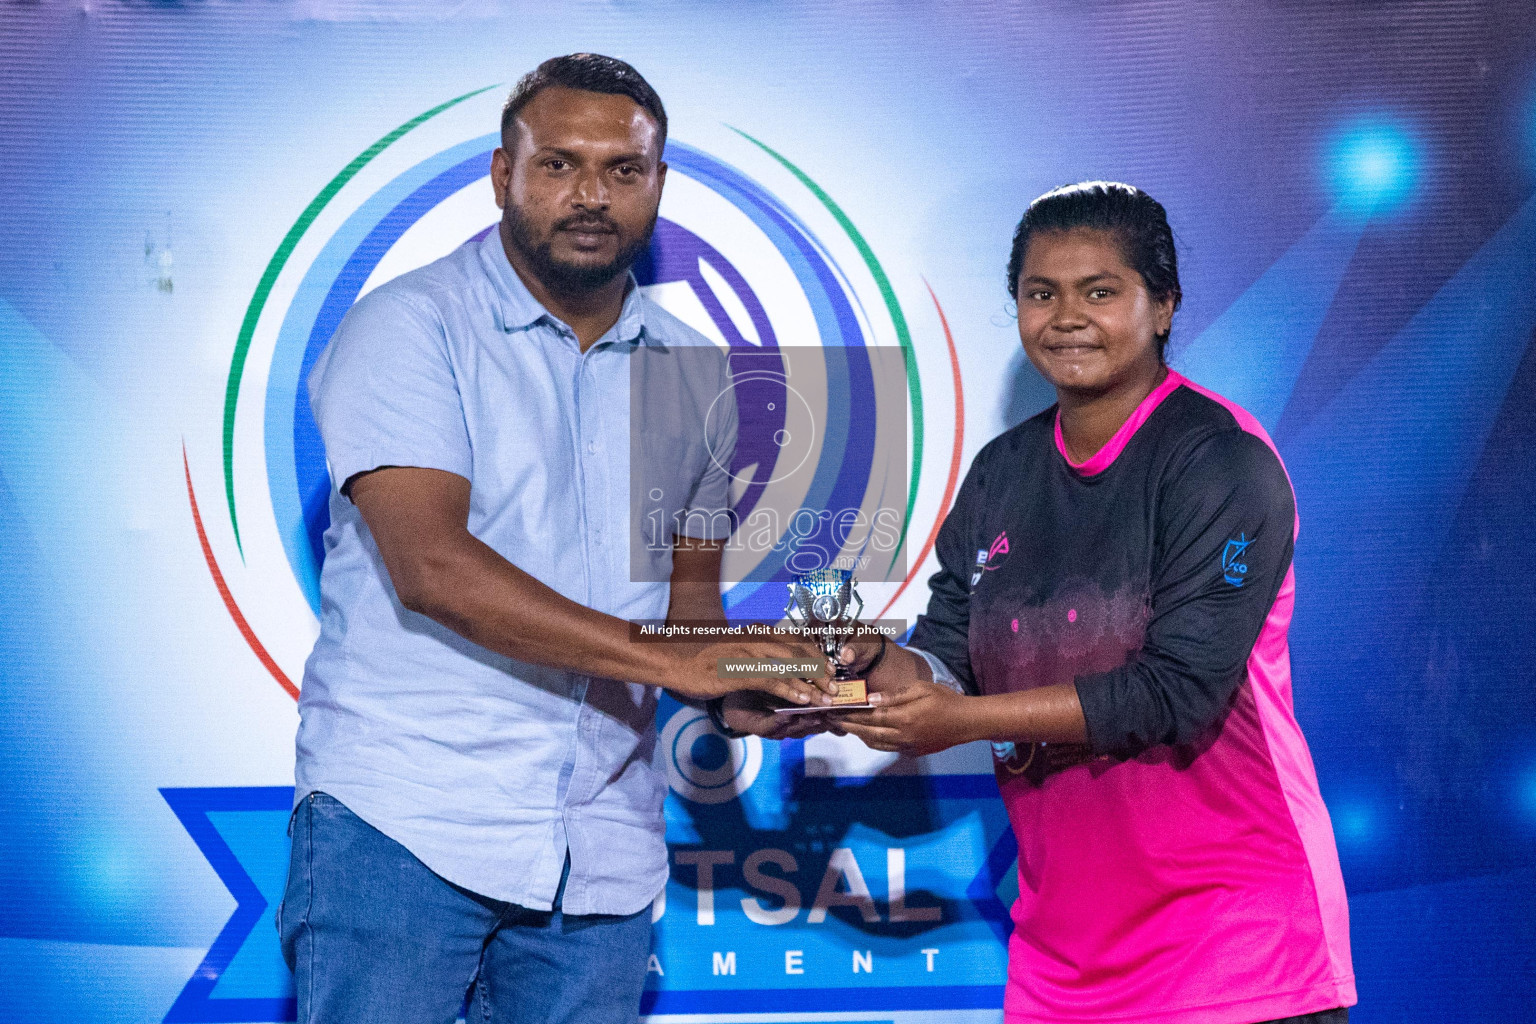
<point x="752" y="711"/>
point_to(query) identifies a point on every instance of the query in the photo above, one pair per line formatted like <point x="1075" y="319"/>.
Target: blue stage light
<point x="1353" y="823"/>
<point x="1527" y="793"/>
<point x="1373" y="165"/>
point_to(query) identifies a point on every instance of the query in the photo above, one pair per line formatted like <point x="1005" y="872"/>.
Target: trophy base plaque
<point x="850" y="691"/>
<point x="851" y="695"/>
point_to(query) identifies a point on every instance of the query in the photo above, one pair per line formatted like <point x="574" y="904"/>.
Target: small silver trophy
<point x="820" y="601"/>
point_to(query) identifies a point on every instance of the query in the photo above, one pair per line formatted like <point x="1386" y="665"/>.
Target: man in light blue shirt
<point x="479" y="790"/>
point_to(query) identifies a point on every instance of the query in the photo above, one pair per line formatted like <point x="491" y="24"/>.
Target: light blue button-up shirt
<point x="488" y="769"/>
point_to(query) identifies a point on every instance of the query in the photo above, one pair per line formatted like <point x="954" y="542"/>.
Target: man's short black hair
<point x="590" y="72"/>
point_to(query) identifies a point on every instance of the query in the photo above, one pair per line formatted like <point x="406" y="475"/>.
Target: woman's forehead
<point x="1073" y="253"/>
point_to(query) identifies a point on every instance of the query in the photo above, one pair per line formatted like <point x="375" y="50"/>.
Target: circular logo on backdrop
<point x="729" y="258"/>
<point x="704" y="766"/>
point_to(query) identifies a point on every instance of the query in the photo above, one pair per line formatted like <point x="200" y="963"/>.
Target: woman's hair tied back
<point x="1136" y="220"/>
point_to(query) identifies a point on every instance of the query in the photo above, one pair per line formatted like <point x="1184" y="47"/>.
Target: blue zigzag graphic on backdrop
<point x="1386" y="463"/>
<point x="986" y="889"/>
<point x="244" y="834"/>
<point x="1381" y="473"/>
<point x="1254" y="351"/>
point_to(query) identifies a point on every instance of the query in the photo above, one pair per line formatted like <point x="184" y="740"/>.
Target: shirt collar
<point x="520" y="310"/>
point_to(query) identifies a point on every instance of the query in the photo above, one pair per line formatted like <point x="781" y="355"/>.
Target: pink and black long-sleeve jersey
<point x="1180" y="867"/>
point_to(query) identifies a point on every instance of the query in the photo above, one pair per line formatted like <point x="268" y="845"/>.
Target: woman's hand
<point x="917" y="717"/>
<point x="894" y="666"/>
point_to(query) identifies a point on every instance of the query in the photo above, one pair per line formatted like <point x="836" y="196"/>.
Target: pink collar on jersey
<point x="1101" y="460"/>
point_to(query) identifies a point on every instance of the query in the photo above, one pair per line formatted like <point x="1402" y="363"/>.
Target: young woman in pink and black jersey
<point x="1111" y="610"/>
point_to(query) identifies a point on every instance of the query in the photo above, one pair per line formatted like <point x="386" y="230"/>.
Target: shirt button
<point x="592" y="446"/>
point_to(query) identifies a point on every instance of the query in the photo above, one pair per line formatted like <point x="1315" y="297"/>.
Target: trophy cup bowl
<point x="825" y="602"/>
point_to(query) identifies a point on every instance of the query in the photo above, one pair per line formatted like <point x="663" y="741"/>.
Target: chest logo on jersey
<point x="988" y="559"/>
<point x="1234" y="567"/>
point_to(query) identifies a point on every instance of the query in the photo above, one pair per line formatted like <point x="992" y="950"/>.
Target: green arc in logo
<point x="888" y="294"/>
<point x="269" y="278"/>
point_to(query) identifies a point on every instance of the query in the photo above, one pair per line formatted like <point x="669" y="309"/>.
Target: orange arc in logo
<point x="229" y="599"/>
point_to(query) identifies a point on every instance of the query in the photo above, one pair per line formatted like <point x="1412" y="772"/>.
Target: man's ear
<point x="501" y="175"/>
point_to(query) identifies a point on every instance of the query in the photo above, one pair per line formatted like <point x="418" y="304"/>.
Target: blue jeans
<point x="373" y="935"/>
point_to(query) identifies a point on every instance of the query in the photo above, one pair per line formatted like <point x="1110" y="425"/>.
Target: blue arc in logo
<point x="299" y="482"/>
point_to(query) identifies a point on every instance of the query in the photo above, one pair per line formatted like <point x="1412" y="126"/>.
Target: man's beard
<point x="572" y="278"/>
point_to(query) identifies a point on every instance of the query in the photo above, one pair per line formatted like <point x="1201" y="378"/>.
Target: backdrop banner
<point x="195" y="193"/>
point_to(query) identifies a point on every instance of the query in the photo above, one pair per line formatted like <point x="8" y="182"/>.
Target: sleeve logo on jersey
<point x="984" y="557"/>
<point x="1233" y="567"/>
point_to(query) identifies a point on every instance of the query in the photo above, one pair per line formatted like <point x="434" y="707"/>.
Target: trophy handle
<point x="858" y="600"/>
<point x="793" y="607"/>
